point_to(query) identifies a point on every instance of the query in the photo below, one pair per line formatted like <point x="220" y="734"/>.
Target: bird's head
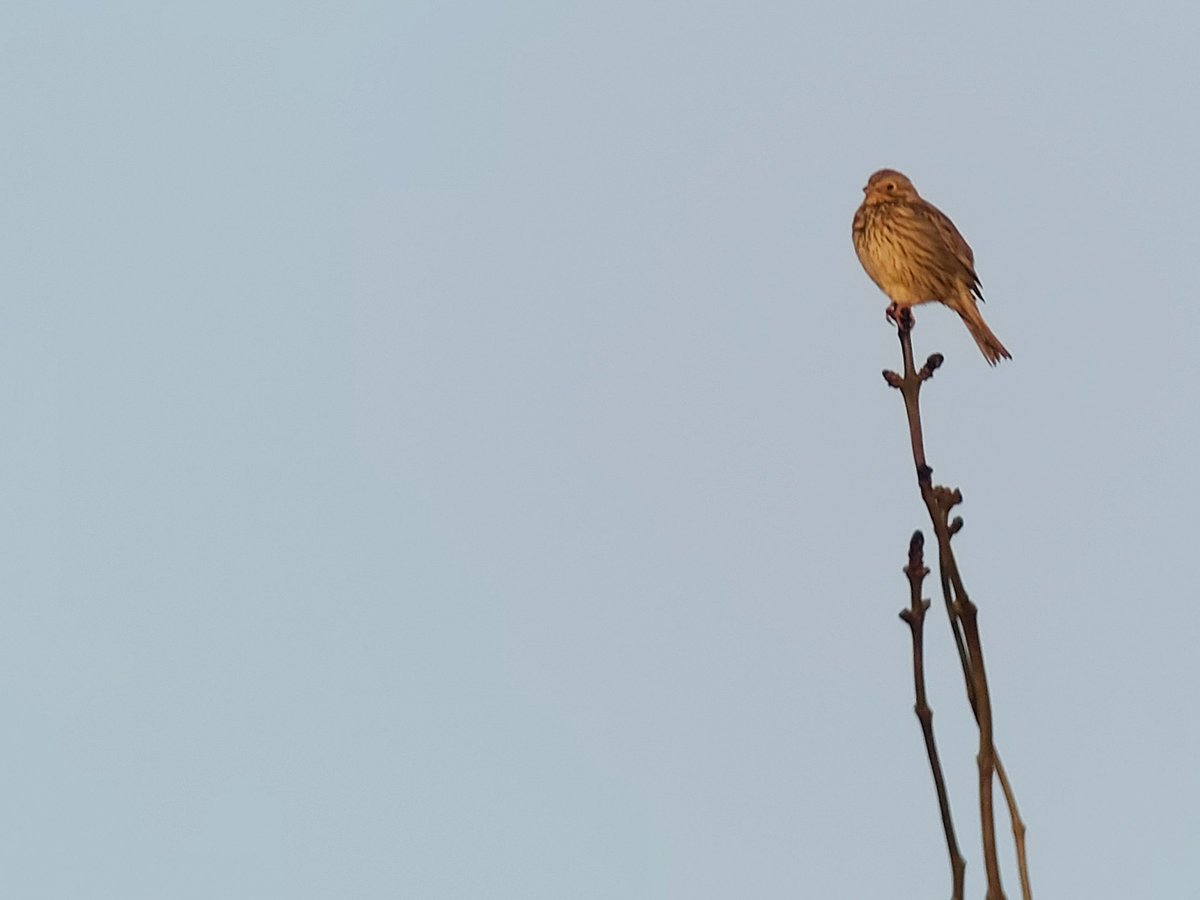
<point x="888" y="185"/>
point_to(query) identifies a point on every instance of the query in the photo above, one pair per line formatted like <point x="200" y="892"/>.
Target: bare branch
<point x="914" y="616"/>
<point x="963" y="614"/>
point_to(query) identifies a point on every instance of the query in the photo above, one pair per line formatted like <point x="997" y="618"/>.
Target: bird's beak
<point x="864" y="188"/>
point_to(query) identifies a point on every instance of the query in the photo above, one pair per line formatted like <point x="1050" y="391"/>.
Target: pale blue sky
<point x="443" y="452"/>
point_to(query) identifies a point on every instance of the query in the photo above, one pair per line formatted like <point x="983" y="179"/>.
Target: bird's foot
<point x="900" y="316"/>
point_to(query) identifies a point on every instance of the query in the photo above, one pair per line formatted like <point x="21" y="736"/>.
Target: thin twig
<point x="1018" y="827"/>
<point x="939" y="501"/>
<point x="1014" y="814"/>
<point x="914" y="616"/>
<point x="1010" y="798"/>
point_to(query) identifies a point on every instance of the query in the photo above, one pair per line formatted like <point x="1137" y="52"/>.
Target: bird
<point x="913" y="252"/>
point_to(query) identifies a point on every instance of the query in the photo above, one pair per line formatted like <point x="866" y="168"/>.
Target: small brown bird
<point x="915" y="254"/>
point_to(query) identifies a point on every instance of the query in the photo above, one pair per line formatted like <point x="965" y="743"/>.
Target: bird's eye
<point x="891" y="186"/>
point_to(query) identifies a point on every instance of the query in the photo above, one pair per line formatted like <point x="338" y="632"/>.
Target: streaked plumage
<point x="916" y="255"/>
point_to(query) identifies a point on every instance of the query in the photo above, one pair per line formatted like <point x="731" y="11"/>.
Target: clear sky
<point x="443" y="452"/>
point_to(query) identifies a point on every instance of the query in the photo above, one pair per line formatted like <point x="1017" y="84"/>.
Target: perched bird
<point x="915" y="254"/>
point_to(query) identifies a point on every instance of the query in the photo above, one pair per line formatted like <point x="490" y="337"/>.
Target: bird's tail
<point x="993" y="350"/>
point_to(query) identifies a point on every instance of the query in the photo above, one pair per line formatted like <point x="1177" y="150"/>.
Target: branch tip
<point x="916" y="570"/>
<point x="946" y="499"/>
<point x="931" y="365"/>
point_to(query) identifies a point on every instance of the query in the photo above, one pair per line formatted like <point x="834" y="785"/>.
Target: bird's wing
<point x="960" y="250"/>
